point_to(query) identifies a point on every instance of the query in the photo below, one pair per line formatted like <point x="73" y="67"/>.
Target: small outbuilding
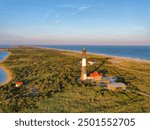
<point x="91" y="62"/>
<point x="18" y="84"/>
<point x="116" y="86"/>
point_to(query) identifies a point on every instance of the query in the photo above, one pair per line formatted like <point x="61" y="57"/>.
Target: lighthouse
<point x="83" y="74"/>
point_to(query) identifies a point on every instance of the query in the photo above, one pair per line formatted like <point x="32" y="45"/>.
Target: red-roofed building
<point x="18" y="84"/>
<point x="96" y="76"/>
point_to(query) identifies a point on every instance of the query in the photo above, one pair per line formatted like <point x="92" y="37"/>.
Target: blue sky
<point x="75" y="22"/>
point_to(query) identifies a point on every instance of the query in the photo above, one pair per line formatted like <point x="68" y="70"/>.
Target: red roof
<point x="20" y="83"/>
<point x="94" y="74"/>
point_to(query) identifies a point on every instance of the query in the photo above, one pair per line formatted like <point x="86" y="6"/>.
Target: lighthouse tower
<point x="83" y="74"/>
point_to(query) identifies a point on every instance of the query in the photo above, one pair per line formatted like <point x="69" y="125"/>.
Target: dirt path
<point x="145" y="73"/>
<point x="145" y="94"/>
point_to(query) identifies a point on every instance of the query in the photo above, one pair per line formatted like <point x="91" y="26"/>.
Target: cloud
<point x="68" y="37"/>
<point x="72" y="10"/>
<point x="139" y="28"/>
<point x="83" y="8"/>
<point x="75" y="6"/>
<point x="78" y="10"/>
<point x="67" y="9"/>
<point x="67" y="6"/>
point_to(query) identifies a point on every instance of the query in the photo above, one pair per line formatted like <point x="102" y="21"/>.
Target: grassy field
<point x="55" y="75"/>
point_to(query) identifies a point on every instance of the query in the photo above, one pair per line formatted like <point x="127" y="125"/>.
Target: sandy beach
<point x="116" y="58"/>
<point x="7" y="71"/>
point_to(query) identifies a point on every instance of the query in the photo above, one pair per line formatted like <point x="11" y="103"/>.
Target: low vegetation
<point x="56" y="75"/>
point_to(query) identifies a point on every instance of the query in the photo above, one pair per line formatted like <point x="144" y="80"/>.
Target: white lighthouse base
<point x="83" y="77"/>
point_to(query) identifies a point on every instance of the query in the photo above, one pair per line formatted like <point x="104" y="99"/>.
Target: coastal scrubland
<point x="52" y="83"/>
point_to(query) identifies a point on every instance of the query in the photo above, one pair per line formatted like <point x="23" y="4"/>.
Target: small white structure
<point x="91" y="62"/>
<point x="116" y="86"/>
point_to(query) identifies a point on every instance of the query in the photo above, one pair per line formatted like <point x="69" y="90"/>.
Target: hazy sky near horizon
<point x="75" y="22"/>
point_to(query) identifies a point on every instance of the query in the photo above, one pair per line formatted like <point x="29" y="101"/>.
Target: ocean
<point x="139" y="52"/>
<point x="7" y="46"/>
<point x="3" y="75"/>
<point x="3" y="55"/>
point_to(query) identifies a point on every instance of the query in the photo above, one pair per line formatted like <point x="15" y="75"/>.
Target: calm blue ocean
<point x="3" y="55"/>
<point x="2" y="76"/>
<point x="140" y="52"/>
<point x="7" y="46"/>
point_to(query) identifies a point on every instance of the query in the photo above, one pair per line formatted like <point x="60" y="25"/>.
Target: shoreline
<point x="105" y="55"/>
<point x="6" y="70"/>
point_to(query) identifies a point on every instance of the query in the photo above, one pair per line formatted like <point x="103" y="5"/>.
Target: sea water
<point x="3" y="76"/>
<point x="140" y="52"/>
